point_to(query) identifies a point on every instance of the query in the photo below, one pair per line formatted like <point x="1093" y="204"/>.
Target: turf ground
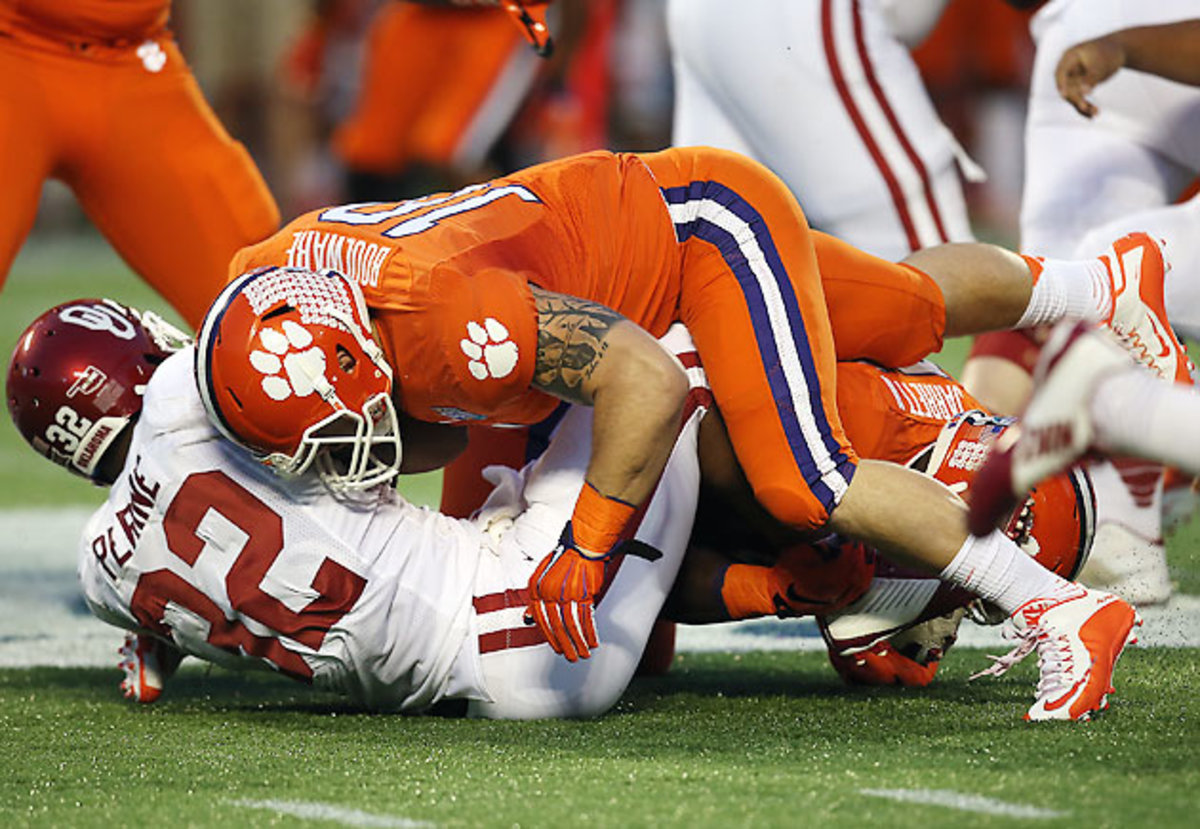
<point x="746" y="738"/>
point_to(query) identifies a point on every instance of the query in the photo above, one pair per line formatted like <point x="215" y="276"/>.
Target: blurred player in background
<point x="1090" y="400"/>
<point x="437" y="89"/>
<point x="97" y="94"/>
<point x="441" y="85"/>
<point x="826" y="94"/>
<point x="1108" y="150"/>
<point x="497" y="301"/>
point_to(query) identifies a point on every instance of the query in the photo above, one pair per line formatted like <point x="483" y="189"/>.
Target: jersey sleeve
<point x="468" y="351"/>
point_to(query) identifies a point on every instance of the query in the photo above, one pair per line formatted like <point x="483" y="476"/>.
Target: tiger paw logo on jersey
<point x="287" y="362"/>
<point x="490" y="353"/>
<point x="152" y="55"/>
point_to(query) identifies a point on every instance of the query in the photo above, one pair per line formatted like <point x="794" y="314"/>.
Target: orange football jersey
<point x="894" y="414"/>
<point x="698" y="235"/>
<point x="447" y="276"/>
<point x="88" y="19"/>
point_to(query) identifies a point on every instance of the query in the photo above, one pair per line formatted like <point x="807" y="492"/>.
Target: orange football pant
<point x="439" y="86"/>
<point x="754" y="298"/>
<point x="150" y="164"/>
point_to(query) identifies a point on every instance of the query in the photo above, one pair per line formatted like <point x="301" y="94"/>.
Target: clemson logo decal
<point x="490" y="353"/>
<point x="287" y="362"/>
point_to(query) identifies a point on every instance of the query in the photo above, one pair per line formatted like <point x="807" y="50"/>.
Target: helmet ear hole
<point x="346" y="361"/>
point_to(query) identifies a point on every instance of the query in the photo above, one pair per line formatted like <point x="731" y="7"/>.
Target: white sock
<point x="997" y="570"/>
<point x="1139" y="414"/>
<point x="1066" y="288"/>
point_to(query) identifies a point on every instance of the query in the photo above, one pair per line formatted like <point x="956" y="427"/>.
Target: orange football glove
<point x="562" y="590"/>
<point x="532" y="24"/>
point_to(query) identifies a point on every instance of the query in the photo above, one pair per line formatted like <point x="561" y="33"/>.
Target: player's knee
<point x="794" y="506"/>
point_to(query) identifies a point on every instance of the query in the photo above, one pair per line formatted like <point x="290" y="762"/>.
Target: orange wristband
<point x="598" y="521"/>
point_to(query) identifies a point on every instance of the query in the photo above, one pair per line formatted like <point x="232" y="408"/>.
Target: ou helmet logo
<point x="100" y="318"/>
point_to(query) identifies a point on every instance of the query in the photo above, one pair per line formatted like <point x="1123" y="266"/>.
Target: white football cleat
<point x="1056" y="429"/>
<point x="1078" y="641"/>
<point x="1137" y="268"/>
<point x="147" y="664"/>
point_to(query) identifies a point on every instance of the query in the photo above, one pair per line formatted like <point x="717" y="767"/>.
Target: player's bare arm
<point x="588" y="353"/>
<point x="1166" y="50"/>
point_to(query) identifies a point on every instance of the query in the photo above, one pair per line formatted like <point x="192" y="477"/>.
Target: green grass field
<point x="750" y="740"/>
<point x="753" y="739"/>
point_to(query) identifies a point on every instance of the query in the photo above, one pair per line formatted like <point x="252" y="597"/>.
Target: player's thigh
<point x="173" y="192"/>
<point x="881" y="311"/>
<point x="752" y="299"/>
<point x="698" y="118"/>
<point x="522" y="675"/>
<point x="930" y="214"/>
<point x="487" y="71"/>
<point x="845" y="120"/>
<point x="397" y="76"/>
<point x="27" y="144"/>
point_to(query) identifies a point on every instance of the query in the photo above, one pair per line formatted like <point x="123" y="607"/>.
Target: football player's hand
<point x="562" y="592"/>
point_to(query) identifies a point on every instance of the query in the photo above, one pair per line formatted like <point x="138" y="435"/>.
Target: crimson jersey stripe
<point x="501" y="640"/>
<point x="501" y="601"/>
<point x="899" y="202"/>
<point x="901" y="136"/>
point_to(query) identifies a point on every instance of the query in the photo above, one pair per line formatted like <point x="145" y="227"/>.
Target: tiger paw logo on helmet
<point x="490" y="353"/>
<point x="287" y="362"/>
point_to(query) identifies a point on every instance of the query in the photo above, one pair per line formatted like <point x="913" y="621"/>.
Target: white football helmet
<point x="287" y="368"/>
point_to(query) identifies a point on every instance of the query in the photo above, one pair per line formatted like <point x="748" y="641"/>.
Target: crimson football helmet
<point x="76" y="378"/>
<point x="287" y="368"/>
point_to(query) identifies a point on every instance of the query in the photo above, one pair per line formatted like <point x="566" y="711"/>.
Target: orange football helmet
<point x="287" y="368"/>
<point x="1057" y="521"/>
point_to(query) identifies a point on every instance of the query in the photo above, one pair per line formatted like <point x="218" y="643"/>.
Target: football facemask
<point x="77" y="375"/>
<point x="287" y="368"/>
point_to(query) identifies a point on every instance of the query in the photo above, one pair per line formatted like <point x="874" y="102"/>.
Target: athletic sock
<point x="997" y="570"/>
<point x="1136" y="413"/>
<point x="1064" y="288"/>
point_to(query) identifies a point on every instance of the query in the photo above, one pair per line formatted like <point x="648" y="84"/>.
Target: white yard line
<point x="1173" y="625"/>
<point x="307" y="810"/>
<point x="965" y="803"/>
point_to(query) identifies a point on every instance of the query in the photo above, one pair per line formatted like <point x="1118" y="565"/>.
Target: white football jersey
<point x="200" y="544"/>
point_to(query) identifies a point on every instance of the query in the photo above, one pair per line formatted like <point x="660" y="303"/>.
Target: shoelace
<point x="1056" y="664"/>
<point x="1001" y="664"/>
<point x="1133" y="342"/>
<point x="1055" y="659"/>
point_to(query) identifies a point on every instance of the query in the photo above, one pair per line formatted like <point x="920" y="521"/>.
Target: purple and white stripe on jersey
<point x="713" y="213"/>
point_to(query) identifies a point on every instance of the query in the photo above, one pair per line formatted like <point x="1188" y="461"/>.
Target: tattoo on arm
<point x="571" y="342"/>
